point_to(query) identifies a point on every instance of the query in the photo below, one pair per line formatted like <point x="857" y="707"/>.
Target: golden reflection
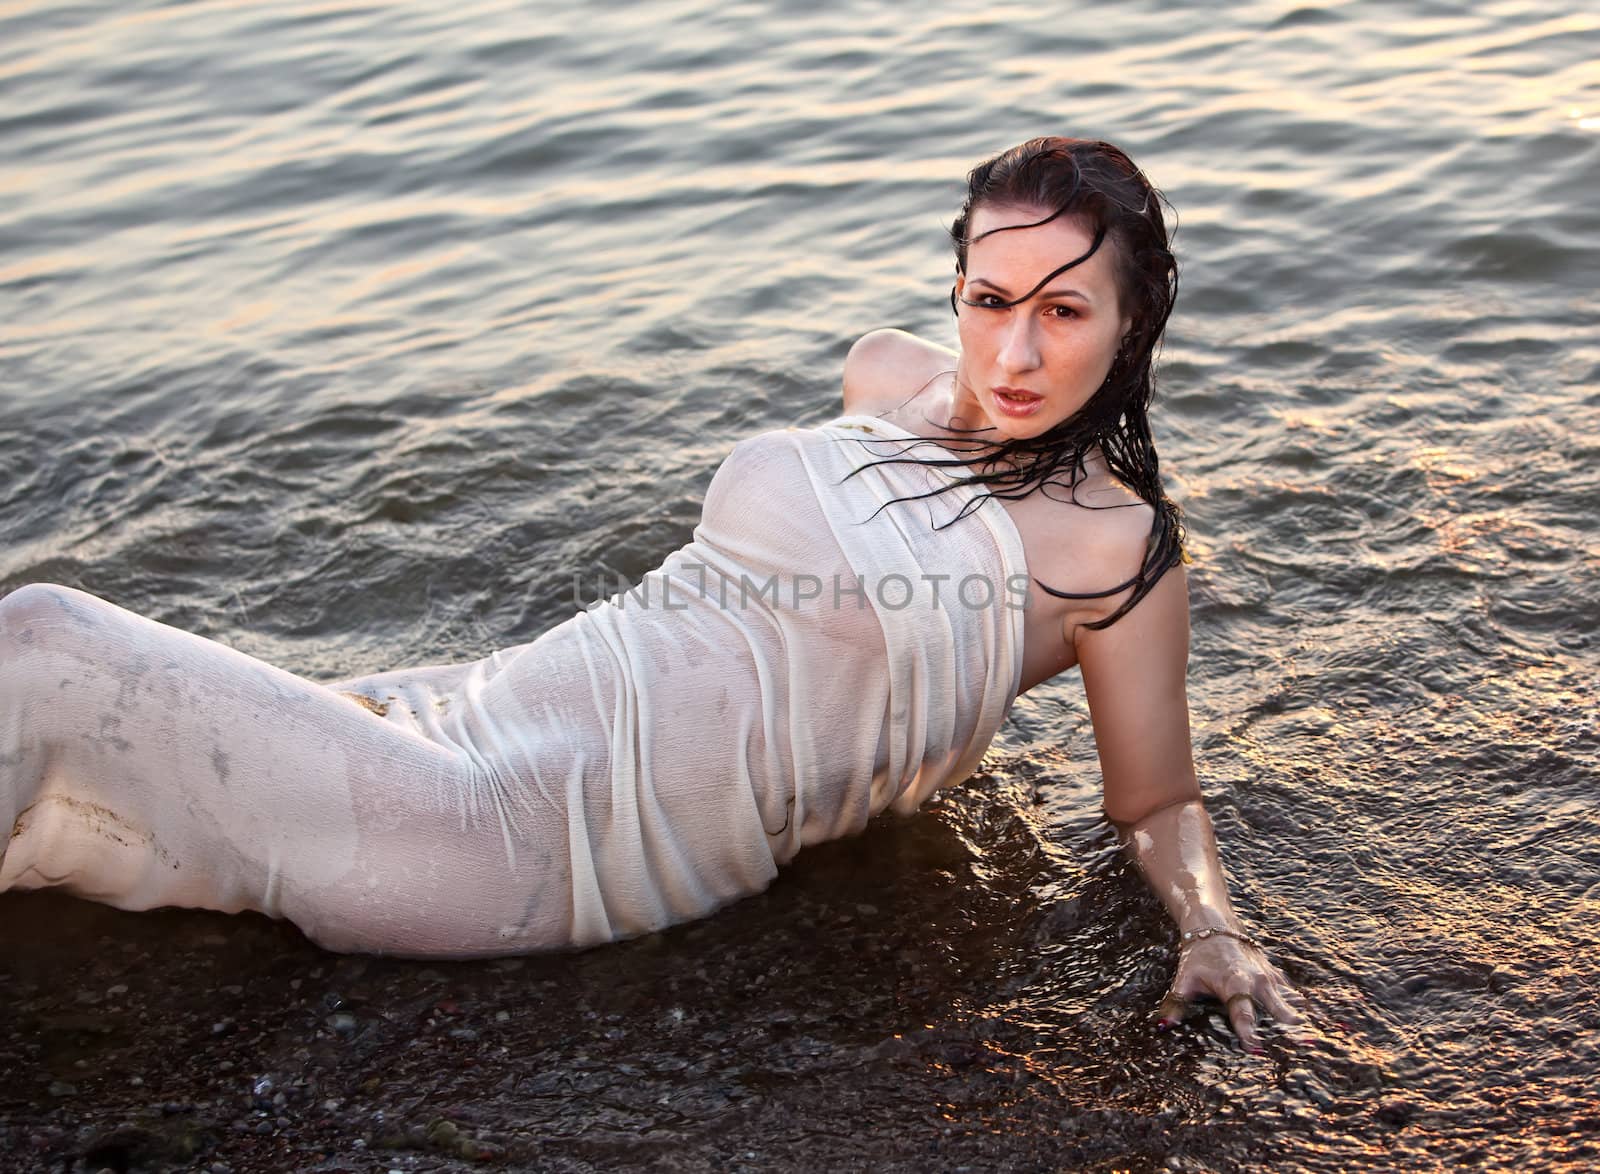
<point x="41" y="266"/>
<point x="1459" y="535"/>
<point x="1314" y="423"/>
<point x="393" y="274"/>
<point x="13" y="333"/>
<point x="158" y="15"/>
<point x="1542" y="676"/>
<point x="1439" y="48"/>
<point x="1007" y="1063"/>
<point x="1439" y="465"/>
<point x="244" y="316"/>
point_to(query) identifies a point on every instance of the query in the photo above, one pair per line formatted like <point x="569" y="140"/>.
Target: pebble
<point x="60" y="1088"/>
<point x="894" y="1048"/>
<point x="1367" y="1075"/>
<point x="1395" y="1114"/>
<point x="1303" y="1115"/>
<point x="344" y="1023"/>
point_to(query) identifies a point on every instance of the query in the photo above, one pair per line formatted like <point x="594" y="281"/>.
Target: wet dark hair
<point x="1097" y="184"/>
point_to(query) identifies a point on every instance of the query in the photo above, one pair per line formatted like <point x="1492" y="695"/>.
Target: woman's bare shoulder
<point x="887" y="367"/>
<point x="1096" y="533"/>
<point x="1118" y="518"/>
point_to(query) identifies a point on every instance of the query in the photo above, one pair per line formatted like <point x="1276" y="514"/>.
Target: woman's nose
<point x="1020" y="350"/>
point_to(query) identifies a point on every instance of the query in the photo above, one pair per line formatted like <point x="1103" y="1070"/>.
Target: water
<point x="351" y="334"/>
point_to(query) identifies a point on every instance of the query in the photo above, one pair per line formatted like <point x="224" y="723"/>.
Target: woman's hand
<point x="1237" y="975"/>
<point x="1175" y="848"/>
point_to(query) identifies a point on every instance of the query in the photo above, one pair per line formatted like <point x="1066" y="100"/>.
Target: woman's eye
<point x="991" y="301"/>
<point x="1063" y="312"/>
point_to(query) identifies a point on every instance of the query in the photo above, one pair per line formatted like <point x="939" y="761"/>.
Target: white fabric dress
<point x="798" y="667"/>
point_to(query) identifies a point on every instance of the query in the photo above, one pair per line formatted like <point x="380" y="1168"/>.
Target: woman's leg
<point x="141" y="765"/>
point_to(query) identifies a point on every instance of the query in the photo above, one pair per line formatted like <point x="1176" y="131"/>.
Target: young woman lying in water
<point x="859" y="608"/>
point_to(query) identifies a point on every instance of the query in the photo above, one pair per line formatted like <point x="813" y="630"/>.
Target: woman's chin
<point x="1009" y="428"/>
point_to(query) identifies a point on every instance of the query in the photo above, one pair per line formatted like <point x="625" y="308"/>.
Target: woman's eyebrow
<point x="1099" y="237"/>
<point x="999" y="289"/>
<point x="1065" y="291"/>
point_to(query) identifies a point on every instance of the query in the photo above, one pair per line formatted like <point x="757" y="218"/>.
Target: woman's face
<point x="1025" y="368"/>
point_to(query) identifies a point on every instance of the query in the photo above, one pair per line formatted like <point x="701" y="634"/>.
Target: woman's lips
<point x="1014" y="401"/>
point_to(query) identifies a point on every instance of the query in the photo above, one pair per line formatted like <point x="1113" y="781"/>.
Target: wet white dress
<point x="799" y="666"/>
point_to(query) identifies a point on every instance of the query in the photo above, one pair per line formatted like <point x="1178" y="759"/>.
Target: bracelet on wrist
<point x="1190" y="936"/>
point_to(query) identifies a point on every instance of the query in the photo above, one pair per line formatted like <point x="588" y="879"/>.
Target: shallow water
<point x="357" y="335"/>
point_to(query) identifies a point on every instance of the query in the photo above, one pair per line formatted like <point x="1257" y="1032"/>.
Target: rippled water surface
<point x="352" y="334"/>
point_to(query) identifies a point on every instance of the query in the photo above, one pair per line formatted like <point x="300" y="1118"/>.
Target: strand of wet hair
<point x="1065" y="446"/>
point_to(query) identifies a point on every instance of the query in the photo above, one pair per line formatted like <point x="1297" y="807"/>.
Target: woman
<point x="859" y="608"/>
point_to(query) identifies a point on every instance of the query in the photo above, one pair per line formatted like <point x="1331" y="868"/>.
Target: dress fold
<point x="807" y="661"/>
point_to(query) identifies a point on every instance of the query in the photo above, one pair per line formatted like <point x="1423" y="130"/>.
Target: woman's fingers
<point x="1178" y="1005"/>
<point x="1279" y="1007"/>
<point x="1242" y="1015"/>
<point x="1240" y="983"/>
<point x="1240" y="1007"/>
<point x="1174" y="1010"/>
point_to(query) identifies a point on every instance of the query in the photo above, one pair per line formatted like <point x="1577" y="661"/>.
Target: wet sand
<point x="762" y="1038"/>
